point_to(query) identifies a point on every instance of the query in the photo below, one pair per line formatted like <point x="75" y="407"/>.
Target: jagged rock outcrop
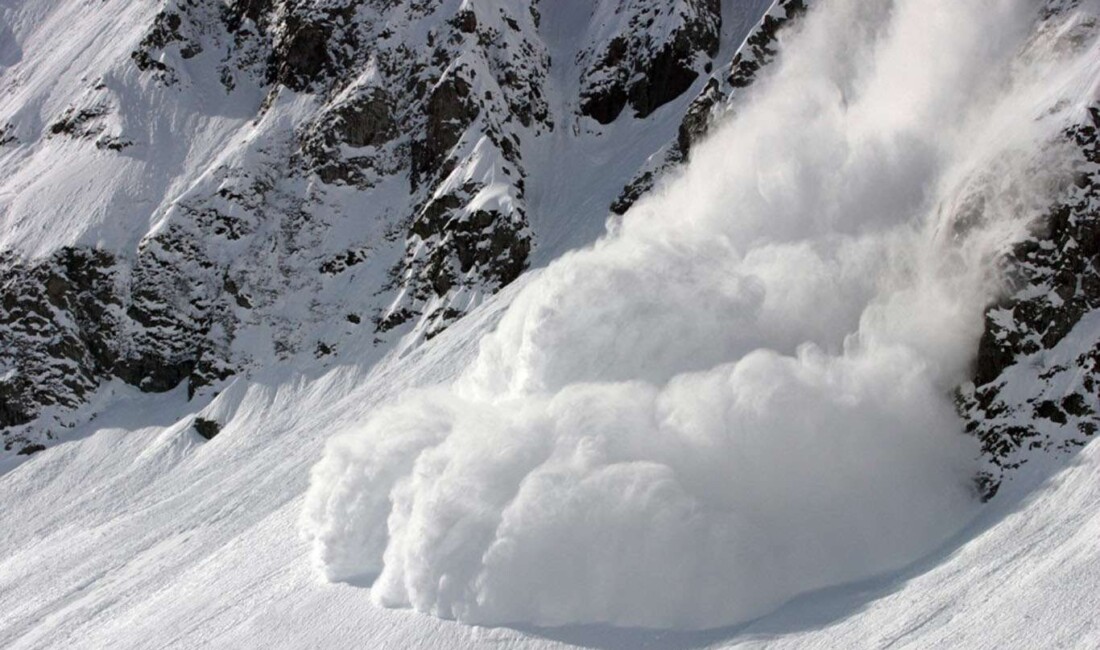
<point x="82" y="317"/>
<point x="480" y="243"/>
<point x="719" y="96"/>
<point x="462" y="83"/>
<point x="653" y="56"/>
<point x="59" y="320"/>
<point x="762" y="46"/>
<point x="206" y="428"/>
<point x="1037" y="376"/>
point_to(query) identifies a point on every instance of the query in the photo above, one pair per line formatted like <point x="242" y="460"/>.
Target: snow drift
<point x="744" y="391"/>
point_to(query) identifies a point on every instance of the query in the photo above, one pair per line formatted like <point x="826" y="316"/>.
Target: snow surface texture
<point x="144" y="536"/>
<point x="743" y="392"/>
<point x="137" y="533"/>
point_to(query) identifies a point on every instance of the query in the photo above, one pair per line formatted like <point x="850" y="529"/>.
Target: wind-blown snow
<point x="743" y="392"/>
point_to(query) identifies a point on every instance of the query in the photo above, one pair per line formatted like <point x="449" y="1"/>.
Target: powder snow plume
<point x="743" y="392"/>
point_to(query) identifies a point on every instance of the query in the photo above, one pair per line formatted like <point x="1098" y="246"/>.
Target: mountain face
<point x="231" y="228"/>
<point x="248" y="182"/>
<point x="230" y="185"/>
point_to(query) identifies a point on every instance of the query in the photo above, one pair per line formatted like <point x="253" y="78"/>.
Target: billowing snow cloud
<point x="744" y="391"/>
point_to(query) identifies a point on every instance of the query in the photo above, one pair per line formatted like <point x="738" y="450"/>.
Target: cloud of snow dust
<point x="743" y="392"/>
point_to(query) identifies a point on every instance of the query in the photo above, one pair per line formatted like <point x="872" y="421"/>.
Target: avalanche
<point x="730" y="422"/>
<point x="744" y="391"/>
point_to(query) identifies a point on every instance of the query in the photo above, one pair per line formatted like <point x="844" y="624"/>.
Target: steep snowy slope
<point x="743" y="411"/>
<point x="748" y="383"/>
<point x="144" y="536"/>
<point x="191" y="190"/>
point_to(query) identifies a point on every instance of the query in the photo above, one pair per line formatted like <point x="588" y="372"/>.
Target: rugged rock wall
<point x="1036" y="384"/>
<point x="720" y="96"/>
<point x="654" y="54"/>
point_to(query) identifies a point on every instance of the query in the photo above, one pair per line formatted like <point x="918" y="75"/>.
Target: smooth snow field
<point x="727" y="423"/>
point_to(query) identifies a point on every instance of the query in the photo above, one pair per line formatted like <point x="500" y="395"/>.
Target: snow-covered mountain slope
<point x="195" y="189"/>
<point x="145" y="536"/>
<point x="237" y="270"/>
<point x="748" y="383"/>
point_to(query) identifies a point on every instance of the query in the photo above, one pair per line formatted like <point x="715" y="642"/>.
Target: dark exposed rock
<point x="168" y="28"/>
<point x="210" y="368"/>
<point x="12" y="413"/>
<point x="449" y="112"/>
<point x="152" y="373"/>
<point x="301" y="52"/>
<point x="760" y="50"/>
<point x="1049" y="410"/>
<point x="59" y="321"/>
<point x="1055" y="283"/>
<point x="255" y="11"/>
<point x="365" y="120"/>
<point x="697" y="119"/>
<point x="206" y="428"/>
<point x="31" y="449"/>
<point x="668" y="75"/>
<point x="79" y="123"/>
<point x="393" y="318"/>
<point x="113" y="143"/>
<point x="762" y="46"/>
<point x="368" y="121"/>
<point x="1076" y="406"/>
<point x="240" y="29"/>
<point x="411" y="118"/>
<point x="648" y="70"/>
<point x="489" y="245"/>
<point x="343" y="262"/>
<point x="605" y="104"/>
<point x="7" y="135"/>
<point x="70" y="322"/>
<point x="465" y="21"/>
<point x="500" y="262"/>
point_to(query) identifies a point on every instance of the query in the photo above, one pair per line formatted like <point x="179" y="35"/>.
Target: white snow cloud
<point x="743" y="392"/>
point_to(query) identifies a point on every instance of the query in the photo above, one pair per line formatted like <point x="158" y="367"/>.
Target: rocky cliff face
<point x="723" y="90"/>
<point x="1037" y="374"/>
<point x="650" y="56"/>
